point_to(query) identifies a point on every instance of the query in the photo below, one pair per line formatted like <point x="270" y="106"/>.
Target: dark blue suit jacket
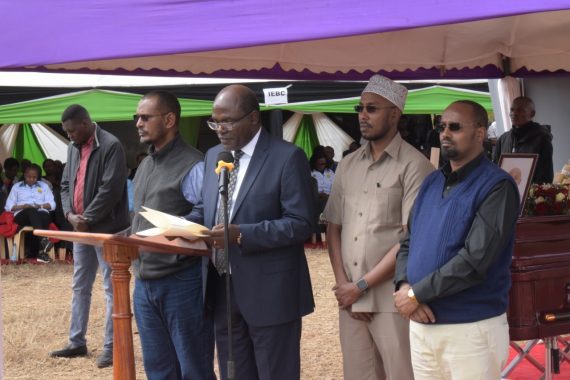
<point x="275" y="211"/>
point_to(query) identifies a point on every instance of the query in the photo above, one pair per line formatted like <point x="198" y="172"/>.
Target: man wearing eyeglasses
<point x="453" y="268"/>
<point x="271" y="214"/>
<point x="176" y="338"/>
<point x="367" y="210"/>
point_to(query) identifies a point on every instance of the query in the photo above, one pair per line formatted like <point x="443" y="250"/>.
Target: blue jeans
<point x="177" y="339"/>
<point x="86" y="260"/>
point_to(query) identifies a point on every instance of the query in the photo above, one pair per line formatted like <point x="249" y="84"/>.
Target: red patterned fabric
<point x="8" y="228"/>
<point x="86" y="150"/>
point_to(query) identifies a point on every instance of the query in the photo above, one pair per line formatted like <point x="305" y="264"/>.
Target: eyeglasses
<point x="227" y="125"/>
<point x="453" y="127"/>
<point x="145" y="117"/>
<point x="370" y="108"/>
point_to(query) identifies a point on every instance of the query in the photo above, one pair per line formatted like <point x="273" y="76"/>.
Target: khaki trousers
<point x="376" y="350"/>
<point x="463" y="351"/>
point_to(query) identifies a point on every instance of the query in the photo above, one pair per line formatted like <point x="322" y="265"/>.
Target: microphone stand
<point x="230" y="362"/>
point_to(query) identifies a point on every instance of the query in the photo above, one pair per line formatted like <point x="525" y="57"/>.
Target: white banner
<point x="275" y="95"/>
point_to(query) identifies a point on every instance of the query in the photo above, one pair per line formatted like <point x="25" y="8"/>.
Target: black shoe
<point x="69" y="352"/>
<point x="46" y="245"/>
<point x="43" y="258"/>
<point x="105" y="359"/>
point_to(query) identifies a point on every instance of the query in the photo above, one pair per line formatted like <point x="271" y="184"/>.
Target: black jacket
<point x="529" y="138"/>
<point x="105" y="194"/>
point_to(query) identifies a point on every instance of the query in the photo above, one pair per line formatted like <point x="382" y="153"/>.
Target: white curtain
<point x="8" y="134"/>
<point x="52" y="144"/>
<point x="291" y="126"/>
<point x="503" y="92"/>
<point x="330" y="134"/>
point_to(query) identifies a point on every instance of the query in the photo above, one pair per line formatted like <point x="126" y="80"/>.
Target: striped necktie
<point x="220" y="257"/>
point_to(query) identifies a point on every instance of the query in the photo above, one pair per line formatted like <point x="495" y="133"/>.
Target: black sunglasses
<point x="146" y="118"/>
<point x="453" y="127"/>
<point x="370" y="108"/>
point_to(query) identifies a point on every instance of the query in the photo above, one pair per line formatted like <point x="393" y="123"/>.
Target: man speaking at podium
<point x="271" y="215"/>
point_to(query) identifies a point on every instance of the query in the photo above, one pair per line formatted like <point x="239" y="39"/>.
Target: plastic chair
<point x="17" y="242"/>
<point x="4" y="251"/>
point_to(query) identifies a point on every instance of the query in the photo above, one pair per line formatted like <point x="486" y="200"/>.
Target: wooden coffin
<point x="539" y="304"/>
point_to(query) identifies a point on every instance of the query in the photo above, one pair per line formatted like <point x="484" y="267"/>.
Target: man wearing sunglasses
<point x="176" y="338"/>
<point x="271" y="214"/>
<point x="453" y="268"/>
<point x="371" y="197"/>
<point x="527" y="136"/>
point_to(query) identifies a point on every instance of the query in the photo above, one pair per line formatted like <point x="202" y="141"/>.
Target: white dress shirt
<point x="243" y="165"/>
<point x="37" y="194"/>
<point x="244" y="161"/>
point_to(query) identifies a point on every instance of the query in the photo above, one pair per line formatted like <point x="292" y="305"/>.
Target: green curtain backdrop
<point x="431" y="100"/>
<point x="306" y="137"/>
<point x="27" y="146"/>
<point x="119" y="106"/>
<point x="189" y="128"/>
<point x="102" y="105"/>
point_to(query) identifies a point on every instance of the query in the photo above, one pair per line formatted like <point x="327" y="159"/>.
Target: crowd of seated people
<point x="31" y="199"/>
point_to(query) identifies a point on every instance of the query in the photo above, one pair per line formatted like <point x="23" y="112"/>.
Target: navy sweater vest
<point x="439" y="230"/>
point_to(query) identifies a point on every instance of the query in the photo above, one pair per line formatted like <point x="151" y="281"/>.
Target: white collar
<point x="250" y="146"/>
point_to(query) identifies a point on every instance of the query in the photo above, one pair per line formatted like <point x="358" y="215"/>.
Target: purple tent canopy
<point x="250" y="38"/>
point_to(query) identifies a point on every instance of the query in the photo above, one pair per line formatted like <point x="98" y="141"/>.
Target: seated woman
<point x="31" y="201"/>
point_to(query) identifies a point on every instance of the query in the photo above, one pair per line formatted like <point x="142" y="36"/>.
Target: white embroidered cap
<point x="394" y="92"/>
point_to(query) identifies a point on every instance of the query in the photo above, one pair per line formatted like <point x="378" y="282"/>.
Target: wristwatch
<point x="238" y="239"/>
<point x="362" y="284"/>
<point x="411" y="295"/>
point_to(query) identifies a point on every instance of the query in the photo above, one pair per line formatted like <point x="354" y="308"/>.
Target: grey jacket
<point x="157" y="185"/>
<point x="105" y="199"/>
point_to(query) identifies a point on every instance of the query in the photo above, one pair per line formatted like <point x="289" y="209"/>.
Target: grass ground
<point x="36" y="303"/>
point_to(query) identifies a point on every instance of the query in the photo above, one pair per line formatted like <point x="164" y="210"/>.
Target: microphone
<point x="225" y="166"/>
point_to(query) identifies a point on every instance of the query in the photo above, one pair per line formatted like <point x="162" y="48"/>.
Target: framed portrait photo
<point x="521" y="167"/>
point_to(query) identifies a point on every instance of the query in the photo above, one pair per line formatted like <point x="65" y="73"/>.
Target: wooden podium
<point x="119" y="251"/>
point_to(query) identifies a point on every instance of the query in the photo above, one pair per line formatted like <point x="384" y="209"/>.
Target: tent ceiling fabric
<point x="51" y="144"/>
<point x="291" y="126"/>
<point x="427" y="100"/>
<point x="102" y="106"/>
<point x="8" y="135"/>
<point x="119" y="106"/>
<point x="347" y="40"/>
<point x="536" y="41"/>
<point x="328" y="133"/>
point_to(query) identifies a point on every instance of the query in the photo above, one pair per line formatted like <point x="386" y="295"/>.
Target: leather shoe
<point x="105" y="359"/>
<point x="69" y="352"/>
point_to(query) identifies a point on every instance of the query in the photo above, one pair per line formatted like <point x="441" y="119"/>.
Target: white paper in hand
<point x="170" y="225"/>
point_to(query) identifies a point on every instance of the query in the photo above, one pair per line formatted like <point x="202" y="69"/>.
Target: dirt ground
<point x="36" y="302"/>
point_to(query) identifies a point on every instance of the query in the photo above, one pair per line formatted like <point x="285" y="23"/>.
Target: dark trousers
<point x="39" y="220"/>
<point x="177" y="341"/>
<point x="260" y="353"/>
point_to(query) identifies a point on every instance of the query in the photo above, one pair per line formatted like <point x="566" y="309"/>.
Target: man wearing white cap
<point x="367" y="211"/>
